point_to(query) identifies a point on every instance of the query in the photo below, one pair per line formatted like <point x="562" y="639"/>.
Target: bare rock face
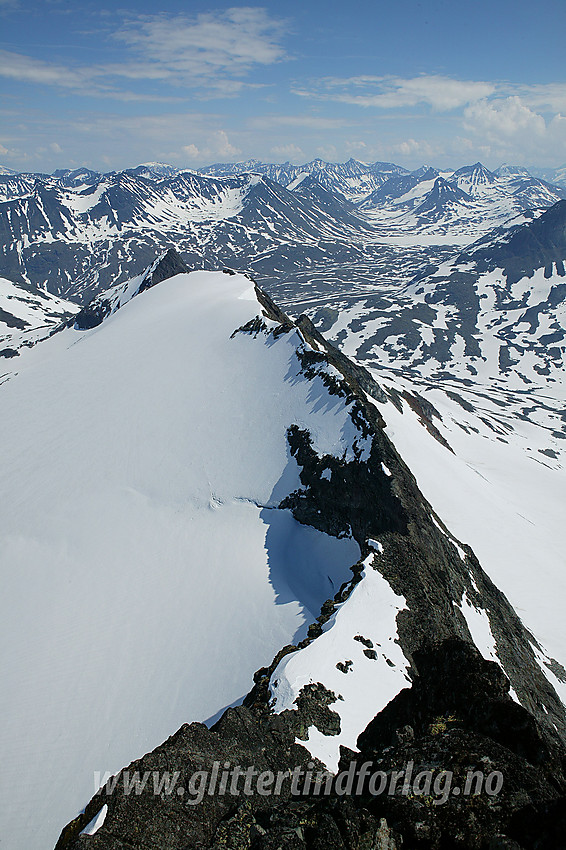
<point x="458" y="763"/>
<point x="465" y="727"/>
<point x="168" y="265"/>
<point x="228" y="811"/>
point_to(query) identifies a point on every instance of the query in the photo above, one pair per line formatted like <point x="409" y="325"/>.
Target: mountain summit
<point x="167" y="265"/>
<point x="194" y="462"/>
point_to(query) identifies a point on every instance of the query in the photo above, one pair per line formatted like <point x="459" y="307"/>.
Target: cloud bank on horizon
<point x="437" y="82"/>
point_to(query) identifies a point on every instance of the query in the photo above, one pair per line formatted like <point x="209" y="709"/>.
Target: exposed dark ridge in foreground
<point x="457" y="717"/>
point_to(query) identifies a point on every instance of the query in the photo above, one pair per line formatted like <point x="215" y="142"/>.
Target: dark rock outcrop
<point x="441" y="194"/>
<point x="168" y="265"/>
<point x="459" y="765"/>
<point x="501" y="771"/>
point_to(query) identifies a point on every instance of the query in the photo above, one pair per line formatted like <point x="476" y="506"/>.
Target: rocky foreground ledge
<point x="452" y="762"/>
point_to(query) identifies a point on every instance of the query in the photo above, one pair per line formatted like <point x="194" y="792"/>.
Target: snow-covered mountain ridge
<point x="343" y="481"/>
<point x="352" y="180"/>
<point x="469" y="201"/>
<point x="150" y="454"/>
<point x="422" y="201"/>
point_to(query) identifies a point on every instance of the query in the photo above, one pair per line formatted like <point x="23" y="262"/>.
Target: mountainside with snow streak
<point x="553" y="175"/>
<point x="353" y="181"/>
<point x="468" y="201"/>
<point x="28" y="315"/>
<point x="496" y="309"/>
<point x="464" y="202"/>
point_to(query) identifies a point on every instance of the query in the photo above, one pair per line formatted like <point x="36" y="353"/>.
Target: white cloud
<point x="212" y="146"/>
<point x="546" y="97"/>
<point x="492" y="120"/>
<point x="415" y="147"/>
<point x="441" y="93"/>
<point x="16" y="66"/>
<point x="85" y="80"/>
<point x="191" y="151"/>
<point x="221" y="146"/>
<point x="12" y="152"/>
<point x="210" y="48"/>
<point x="207" y="53"/>
<point x="233" y="40"/>
<point x="356" y="146"/>
<point x="557" y="127"/>
<point x="507" y="118"/>
<point x="486" y="119"/>
<point x="328" y="152"/>
<point x="291" y="152"/>
<point x="511" y="130"/>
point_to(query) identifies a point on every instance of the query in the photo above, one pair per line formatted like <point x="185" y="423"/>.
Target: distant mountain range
<point x="79" y="232"/>
<point x="553" y="175"/>
<point x="428" y="193"/>
<point x="466" y="201"/>
<point x="442" y="309"/>
<point x="352" y="181"/>
<point x="78" y="241"/>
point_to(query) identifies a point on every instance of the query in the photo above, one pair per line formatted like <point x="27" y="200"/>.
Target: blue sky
<point x="439" y="81"/>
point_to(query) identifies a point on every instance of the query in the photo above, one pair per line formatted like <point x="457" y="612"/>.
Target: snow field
<point x="148" y="573"/>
